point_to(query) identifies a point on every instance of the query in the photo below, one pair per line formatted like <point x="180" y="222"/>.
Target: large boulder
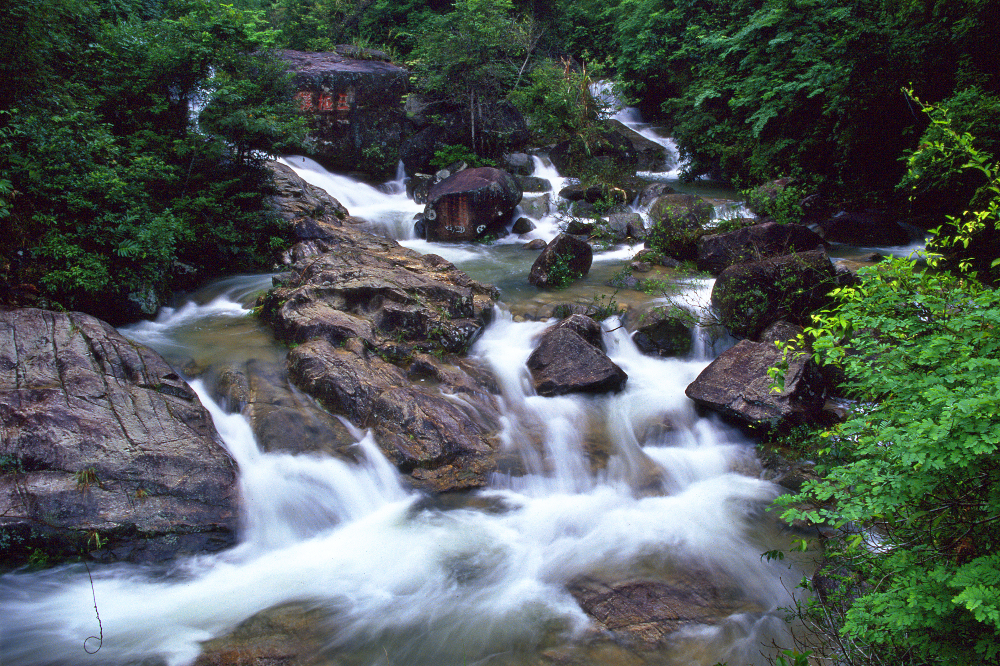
<point x="368" y="317"/>
<point x="867" y="228"/>
<point x="649" y="155"/>
<point x="500" y="129"/>
<point x="685" y="211"/>
<point x="566" y="362"/>
<point x="737" y="386"/>
<point x="356" y="107"/>
<point x="564" y="258"/>
<point x="716" y="252"/>
<point x="419" y="429"/>
<point x="471" y="204"/>
<point x="105" y="449"/>
<point x="749" y="297"/>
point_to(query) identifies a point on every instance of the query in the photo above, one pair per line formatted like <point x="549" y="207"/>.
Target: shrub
<point x="913" y="489"/>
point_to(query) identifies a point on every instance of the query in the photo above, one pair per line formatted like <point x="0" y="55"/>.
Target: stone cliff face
<point x="357" y="109"/>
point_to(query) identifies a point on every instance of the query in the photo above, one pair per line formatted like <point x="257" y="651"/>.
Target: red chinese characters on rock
<point x="305" y="100"/>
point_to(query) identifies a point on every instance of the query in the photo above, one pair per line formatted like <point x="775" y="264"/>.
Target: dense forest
<point x="112" y="191"/>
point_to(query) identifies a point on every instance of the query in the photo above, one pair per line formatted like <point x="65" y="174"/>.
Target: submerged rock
<point x="643" y="613"/>
<point x="105" y="449"/>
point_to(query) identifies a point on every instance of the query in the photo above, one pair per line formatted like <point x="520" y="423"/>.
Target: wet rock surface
<point x="106" y="450"/>
<point x="737" y="386"/>
<point x="656" y="331"/>
<point x="642" y="614"/>
<point x="282" y="417"/>
<point x="566" y="362"/>
<point x="367" y="317"/>
<point x="680" y="211"/>
<point x="716" y="252"/>
<point x="471" y="204"/>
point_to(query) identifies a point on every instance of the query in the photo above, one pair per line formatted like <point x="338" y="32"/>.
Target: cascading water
<point x="619" y="487"/>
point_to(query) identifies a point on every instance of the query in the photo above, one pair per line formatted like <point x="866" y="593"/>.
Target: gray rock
<point x="536" y="206"/>
<point x="107" y="450"/>
<point x="577" y="255"/>
<point x="644" y="613"/>
<point x="519" y="164"/>
<point x="366" y="315"/>
<point x="657" y="331"/>
<point x="533" y="183"/>
<point x="716" y="252"/>
<point x="523" y="226"/>
<point x="565" y="362"/>
<point x="737" y="385"/>
<point x="680" y="211"/>
<point x="654" y="191"/>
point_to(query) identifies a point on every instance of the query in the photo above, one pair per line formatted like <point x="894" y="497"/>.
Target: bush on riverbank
<point x="115" y="194"/>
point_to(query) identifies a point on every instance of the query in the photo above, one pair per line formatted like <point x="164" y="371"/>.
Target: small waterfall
<point x="388" y="211"/>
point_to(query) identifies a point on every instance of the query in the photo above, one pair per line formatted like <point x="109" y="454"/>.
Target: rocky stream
<point x="396" y="451"/>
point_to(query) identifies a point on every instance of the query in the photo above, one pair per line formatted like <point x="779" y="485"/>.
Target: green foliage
<point x="782" y="203"/>
<point x="559" y="105"/>
<point x="452" y="153"/>
<point x="914" y="487"/>
<point x="754" y="88"/>
<point x="109" y="185"/>
<point x="560" y="273"/>
<point x="471" y="53"/>
<point x="674" y="240"/>
<point x="950" y="158"/>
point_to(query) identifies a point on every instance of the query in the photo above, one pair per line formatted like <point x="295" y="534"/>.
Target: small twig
<point x="100" y="637"/>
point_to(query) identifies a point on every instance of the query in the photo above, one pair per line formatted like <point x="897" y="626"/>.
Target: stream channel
<point x="351" y="567"/>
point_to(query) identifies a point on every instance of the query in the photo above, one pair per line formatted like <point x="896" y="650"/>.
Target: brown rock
<point x="564" y="362"/>
<point x="577" y="254"/>
<point x="470" y="204"/>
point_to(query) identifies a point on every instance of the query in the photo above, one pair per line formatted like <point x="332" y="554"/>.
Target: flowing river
<point x="378" y="574"/>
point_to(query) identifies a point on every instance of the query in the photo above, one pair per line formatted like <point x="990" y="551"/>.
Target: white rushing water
<point x="401" y="580"/>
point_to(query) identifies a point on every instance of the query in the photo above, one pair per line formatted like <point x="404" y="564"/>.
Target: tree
<point x="471" y="58"/>
<point x="913" y="483"/>
<point x="112" y="183"/>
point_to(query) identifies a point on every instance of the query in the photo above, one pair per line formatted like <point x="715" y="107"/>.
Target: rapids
<point x="388" y="576"/>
